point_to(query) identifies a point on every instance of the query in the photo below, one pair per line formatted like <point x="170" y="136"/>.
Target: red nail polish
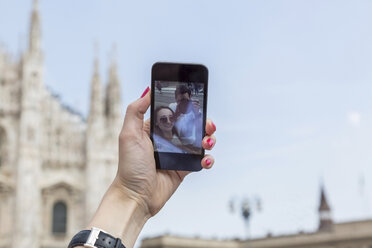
<point x="214" y="126"/>
<point x="210" y="142"/>
<point x="145" y="92"/>
<point x="208" y="162"/>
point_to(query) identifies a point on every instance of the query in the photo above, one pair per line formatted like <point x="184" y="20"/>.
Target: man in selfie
<point x="188" y="116"/>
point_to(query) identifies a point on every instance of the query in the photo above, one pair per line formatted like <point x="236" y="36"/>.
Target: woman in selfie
<point x="165" y="136"/>
<point x="139" y="190"/>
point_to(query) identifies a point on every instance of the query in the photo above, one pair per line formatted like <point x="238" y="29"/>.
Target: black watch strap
<point x="95" y="238"/>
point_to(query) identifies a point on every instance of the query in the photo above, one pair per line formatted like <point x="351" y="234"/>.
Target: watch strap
<point x="95" y="238"/>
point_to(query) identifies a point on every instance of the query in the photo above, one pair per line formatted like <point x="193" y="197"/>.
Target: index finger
<point x="210" y="127"/>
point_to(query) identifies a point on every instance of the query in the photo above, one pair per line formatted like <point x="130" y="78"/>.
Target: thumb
<point x="133" y="121"/>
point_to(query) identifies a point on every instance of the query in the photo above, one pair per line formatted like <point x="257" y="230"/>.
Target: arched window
<point x="2" y="146"/>
<point x="59" y="218"/>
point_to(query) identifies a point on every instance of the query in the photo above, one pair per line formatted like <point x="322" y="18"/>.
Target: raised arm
<point x="139" y="191"/>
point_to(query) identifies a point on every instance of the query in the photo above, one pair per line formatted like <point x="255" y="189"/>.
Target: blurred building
<point x="355" y="234"/>
<point x="54" y="164"/>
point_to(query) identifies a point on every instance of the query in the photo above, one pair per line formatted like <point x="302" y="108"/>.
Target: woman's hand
<point x="137" y="176"/>
<point x="139" y="191"/>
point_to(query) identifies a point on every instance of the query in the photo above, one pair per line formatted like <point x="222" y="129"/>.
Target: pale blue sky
<point x="290" y="91"/>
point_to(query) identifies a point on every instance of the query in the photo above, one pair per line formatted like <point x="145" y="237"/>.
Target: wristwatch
<point x="95" y="238"/>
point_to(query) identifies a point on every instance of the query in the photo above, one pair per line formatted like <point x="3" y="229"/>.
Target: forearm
<point x="119" y="216"/>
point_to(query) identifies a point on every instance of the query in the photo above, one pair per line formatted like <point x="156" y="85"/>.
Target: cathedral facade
<point x="54" y="164"/>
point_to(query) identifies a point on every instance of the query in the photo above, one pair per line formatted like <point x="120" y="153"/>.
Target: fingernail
<point x="210" y="142"/>
<point x="208" y="162"/>
<point x="214" y="126"/>
<point x="145" y="92"/>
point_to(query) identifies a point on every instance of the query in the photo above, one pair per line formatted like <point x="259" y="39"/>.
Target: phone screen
<point x="178" y="114"/>
<point x="178" y="117"/>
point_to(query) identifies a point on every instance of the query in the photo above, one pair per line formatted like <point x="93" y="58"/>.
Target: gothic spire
<point x="323" y="201"/>
<point x="113" y="99"/>
<point x="35" y="30"/>
<point x="96" y="96"/>
<point x="325" y="218"/>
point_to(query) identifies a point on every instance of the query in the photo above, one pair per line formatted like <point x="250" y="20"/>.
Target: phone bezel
<point x="176" y="72"/>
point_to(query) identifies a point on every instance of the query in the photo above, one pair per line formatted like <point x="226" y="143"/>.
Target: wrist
<point x="120" y="216"/>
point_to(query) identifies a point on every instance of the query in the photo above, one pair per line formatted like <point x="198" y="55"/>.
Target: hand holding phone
<point x="178" y="115"/>
<point x="139" y="190"/>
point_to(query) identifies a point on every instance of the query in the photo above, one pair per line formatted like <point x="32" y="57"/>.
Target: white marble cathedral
<point x="54" y="165"/>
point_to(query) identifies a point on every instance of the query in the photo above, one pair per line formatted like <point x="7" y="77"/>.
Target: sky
<point x="290" y="84"/>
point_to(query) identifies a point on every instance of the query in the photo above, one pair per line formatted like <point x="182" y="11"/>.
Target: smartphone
<point x="178" y="114"/>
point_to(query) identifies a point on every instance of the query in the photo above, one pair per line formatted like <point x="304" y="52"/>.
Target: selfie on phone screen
<point x="178" y="117"/>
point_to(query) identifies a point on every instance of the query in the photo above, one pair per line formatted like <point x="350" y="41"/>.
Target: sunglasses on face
<point x="166" y="119"/>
